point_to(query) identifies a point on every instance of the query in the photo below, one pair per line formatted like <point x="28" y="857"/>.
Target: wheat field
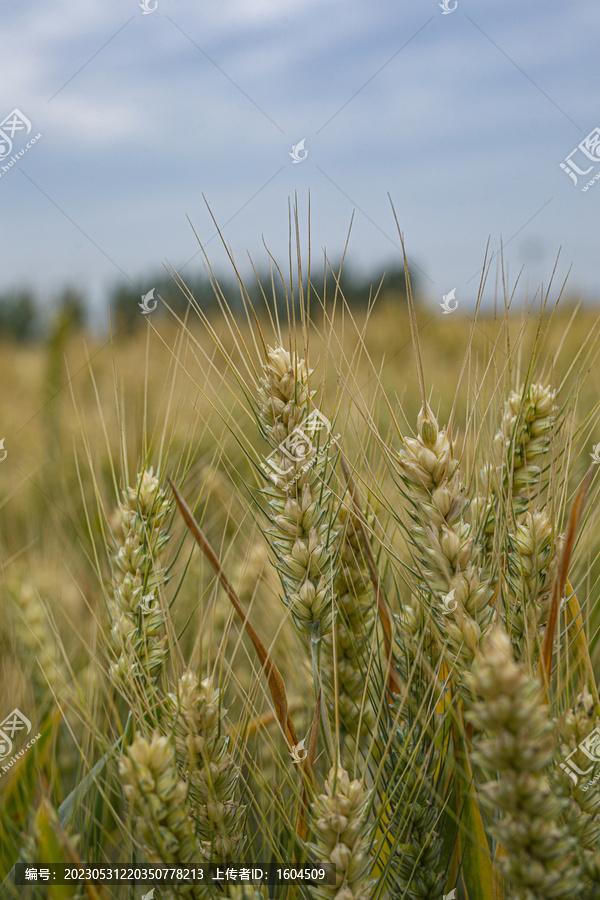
<point x="311" y="585"/>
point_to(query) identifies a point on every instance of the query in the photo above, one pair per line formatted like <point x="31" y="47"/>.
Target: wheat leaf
<point x="472" y="844"/>
<point x="579" y="643"/>
<point x="545" y="665"/>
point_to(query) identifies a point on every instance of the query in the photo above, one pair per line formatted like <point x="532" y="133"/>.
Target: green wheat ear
<point x="517" y="745"/>
<point x="444" y="549"/>
<point x="157" y="796"/>
<point x="210" y="772"/>
<point x="136" y="616"/>
<point x="354" y="627"/>
<point x="342" y="837"/>
<point x="302" y="535"/>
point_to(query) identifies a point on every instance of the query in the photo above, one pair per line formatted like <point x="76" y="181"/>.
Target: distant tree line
<point x="22" y="318"/>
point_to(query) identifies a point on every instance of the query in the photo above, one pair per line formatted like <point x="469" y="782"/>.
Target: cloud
<point x="180" y="103"/>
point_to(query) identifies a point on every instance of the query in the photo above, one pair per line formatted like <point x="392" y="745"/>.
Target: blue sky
<point x="463" y="118"/>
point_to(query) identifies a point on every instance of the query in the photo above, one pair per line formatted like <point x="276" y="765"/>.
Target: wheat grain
<point x="524" y="437"/>
<point x="36" y="637"/>
<point x="519" y="447"/>
<point x="412" y="816"/>
<point x="342" y="836"/>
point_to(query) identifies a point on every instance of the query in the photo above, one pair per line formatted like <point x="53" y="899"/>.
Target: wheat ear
<point x="519" y="744"/>
<point x="444" y="549"/>
<point x="137" y="620"/>
<point x="354" y="632"/>
<point x="157" y="797"/>
<point x="339" y="818"/>
<point x="208" y="768"/>
<point x="531" y="566"/>
<point x="298" y="497"/>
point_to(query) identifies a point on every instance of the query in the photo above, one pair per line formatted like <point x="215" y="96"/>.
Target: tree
<point x="19" y="316"/>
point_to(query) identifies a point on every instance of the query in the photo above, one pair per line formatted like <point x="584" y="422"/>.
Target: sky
<point x="462" y="118"/>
